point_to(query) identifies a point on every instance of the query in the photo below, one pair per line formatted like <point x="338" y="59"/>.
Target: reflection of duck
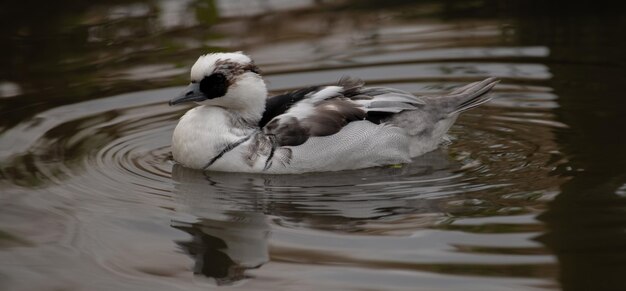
<point x="230" y="228"/>
<point x="225" y="249"/>
<point x="354" y="194"/>
<point x="225" y="242"/>
<point x="318" y="128"/>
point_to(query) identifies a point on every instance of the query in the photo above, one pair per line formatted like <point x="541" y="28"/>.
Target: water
<point x="529" y="195"/>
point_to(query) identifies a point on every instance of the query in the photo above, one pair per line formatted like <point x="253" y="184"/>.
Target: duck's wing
<point x="294" y="117"/>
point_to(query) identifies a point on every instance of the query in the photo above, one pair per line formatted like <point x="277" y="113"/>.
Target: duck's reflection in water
<point x="224" y="249"/>
<point x="227" y="238"/>
<point x="227" y="214"/>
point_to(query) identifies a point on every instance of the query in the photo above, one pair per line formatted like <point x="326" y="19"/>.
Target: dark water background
<point x="529" y="195"/>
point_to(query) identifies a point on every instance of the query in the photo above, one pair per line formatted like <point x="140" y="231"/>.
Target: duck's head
<point x="228" y="80"/>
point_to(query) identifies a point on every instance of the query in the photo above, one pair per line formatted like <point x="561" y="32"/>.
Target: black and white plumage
<point x="238" y="128"/>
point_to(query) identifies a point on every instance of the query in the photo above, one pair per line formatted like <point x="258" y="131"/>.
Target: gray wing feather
<point x="390" y="106"/>
<point x="388" y="100"/>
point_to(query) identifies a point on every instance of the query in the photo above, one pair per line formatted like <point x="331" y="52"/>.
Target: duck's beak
<point x="191" y="93"/>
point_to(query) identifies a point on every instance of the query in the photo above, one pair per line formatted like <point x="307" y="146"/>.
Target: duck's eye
<point x="214" y="86"/>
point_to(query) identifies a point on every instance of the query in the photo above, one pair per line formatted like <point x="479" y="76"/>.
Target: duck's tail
<point x="465" y="98"/>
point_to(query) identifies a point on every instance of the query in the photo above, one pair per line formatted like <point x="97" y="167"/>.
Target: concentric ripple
<point x="140" y="155"/>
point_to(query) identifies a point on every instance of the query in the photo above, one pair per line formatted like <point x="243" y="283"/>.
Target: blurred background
<point x="530" y="193"/>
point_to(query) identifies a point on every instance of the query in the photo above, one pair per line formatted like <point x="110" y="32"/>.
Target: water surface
<point x="529" y="194"/>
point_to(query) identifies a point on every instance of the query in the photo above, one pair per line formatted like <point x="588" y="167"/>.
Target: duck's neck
<point x="244" y="118"/>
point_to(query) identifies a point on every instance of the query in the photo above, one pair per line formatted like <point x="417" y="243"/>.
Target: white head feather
<point x="247" y="92"/>
<point x="206" y="63"/>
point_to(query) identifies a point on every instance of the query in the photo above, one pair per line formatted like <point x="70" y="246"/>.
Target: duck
<point x="237" y="127"/>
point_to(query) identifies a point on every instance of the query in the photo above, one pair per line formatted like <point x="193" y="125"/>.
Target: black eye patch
<point x="214" y="86"/>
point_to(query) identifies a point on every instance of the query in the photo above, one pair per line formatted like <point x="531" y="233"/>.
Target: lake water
<point x="530" y="194"/>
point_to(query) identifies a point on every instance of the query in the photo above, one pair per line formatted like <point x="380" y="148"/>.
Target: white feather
<point x="305" y="107"/>
<point x="201" y="134"/>
<point x="206" y="63"/>
<point x="326" y="93"/>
